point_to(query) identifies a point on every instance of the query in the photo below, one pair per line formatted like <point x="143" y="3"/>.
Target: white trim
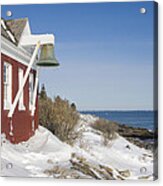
<point x="21" y="99"/>
<point x="31" y="85"/>
<point x="28" y="40"/>
<point x="3" y="24"/>
<point x="17" y="53"/>
<point x="35" y="93"/>
<point x="7" y="102"/>
<point x="11" y="36"/>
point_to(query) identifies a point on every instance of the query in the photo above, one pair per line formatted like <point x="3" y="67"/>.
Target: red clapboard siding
<point x="22" y="120"/>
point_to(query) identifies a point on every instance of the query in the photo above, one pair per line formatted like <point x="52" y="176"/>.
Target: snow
<point x="115" y="154"/>
<point x="44" y="150"/>
<point x="31" y="158"/>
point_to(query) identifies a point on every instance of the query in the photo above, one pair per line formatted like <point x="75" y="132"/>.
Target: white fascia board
<point x="29" y="40"/>
<point x="11" y="36"/>
<point x="3" y="24"/>
<point x="8" y="31"/>
<point x="17" y="53"/>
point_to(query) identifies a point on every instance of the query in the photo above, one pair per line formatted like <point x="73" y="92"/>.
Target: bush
<point x="65" y="117"/>
<point x="58" y="116"/>
<point x="108" y="128"/>
<point x="45" y="111"/>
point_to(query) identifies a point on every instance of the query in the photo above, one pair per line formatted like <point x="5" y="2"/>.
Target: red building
<point x="14" y="62"/>
<point x="19" y="77"/>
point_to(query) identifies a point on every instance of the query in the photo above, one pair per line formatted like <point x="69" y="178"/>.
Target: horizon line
<point x="129" y="110"/>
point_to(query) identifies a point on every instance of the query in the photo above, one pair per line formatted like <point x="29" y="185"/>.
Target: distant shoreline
<point x="140" y="136"/>
<point x="86" y="111"/>
<point x="138" y="119"/>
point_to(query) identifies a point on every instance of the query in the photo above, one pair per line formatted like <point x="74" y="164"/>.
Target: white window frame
<point x="21" y="105"/>
<point x="31" y="89"/>
<point x="7" y="84"/>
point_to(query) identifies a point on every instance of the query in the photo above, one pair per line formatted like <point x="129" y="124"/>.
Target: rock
<point x="144" y="177"/>
<point x="65" y="173"/>
<point x="50" y="161"/>
<point x="139" y="136"/>
<point x="85" y="169"/>
<point x="120" y="177"/>
<point x="90" y="169"/>
<point x="128" y="147"/>
<point x="149" y="145"/>
<point x="125" y="173"/>
<point x="141" y="133"/>
<point x="109" y="170"/>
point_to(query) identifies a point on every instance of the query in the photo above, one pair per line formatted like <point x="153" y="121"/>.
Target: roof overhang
<point x="29" y="40"/>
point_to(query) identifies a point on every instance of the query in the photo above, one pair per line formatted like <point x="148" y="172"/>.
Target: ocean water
<point x="142" y="119"/>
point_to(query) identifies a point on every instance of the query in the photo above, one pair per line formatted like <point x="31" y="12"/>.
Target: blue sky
<point x="105" y="51"/>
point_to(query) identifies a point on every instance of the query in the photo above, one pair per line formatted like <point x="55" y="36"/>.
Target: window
<point x="30" y="91"/>
<point x="7" y="82"/>
<point x="21" y="99"/>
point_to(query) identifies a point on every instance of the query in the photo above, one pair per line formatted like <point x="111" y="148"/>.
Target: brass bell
<point x="47" y="57"/>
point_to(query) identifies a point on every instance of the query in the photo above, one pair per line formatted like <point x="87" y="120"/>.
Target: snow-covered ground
<point x="44" y="155"/>
<point x="31" y="158"/>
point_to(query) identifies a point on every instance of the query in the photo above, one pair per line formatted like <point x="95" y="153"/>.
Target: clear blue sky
<point x="105" y="51"/>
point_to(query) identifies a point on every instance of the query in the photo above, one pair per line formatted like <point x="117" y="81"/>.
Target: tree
<point x="73" y="106"/>
<point x="43" y="94"/>
<point x="45" y="108"/>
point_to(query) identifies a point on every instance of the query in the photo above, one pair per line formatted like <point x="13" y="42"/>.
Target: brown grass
<point x="108" y="128"/>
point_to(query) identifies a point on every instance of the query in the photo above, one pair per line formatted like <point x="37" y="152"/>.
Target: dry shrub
<point x="65" y="117"/>
<point x="58" y="116"/>
<point x="45" y="112"/>
<point x="108" y="128"/>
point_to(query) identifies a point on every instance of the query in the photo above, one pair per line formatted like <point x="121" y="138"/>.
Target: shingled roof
<point x="15" y="26"/>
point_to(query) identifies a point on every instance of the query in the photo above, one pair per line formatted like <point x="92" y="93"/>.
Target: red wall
<point x="22" y="120"/>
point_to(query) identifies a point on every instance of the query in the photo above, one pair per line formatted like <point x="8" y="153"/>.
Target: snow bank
<point x="44" y="151"/>
<point x="120" y="154"/>
<point x="31" y="158"/>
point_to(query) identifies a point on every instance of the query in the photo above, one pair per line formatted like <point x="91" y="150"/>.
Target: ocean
<point x="142" y="119"/>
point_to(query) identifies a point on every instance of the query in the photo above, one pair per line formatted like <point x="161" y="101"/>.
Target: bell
<point x="47" y="58"/>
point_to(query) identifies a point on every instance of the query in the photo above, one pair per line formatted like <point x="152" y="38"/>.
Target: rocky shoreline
<point x="139" y="136"/>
